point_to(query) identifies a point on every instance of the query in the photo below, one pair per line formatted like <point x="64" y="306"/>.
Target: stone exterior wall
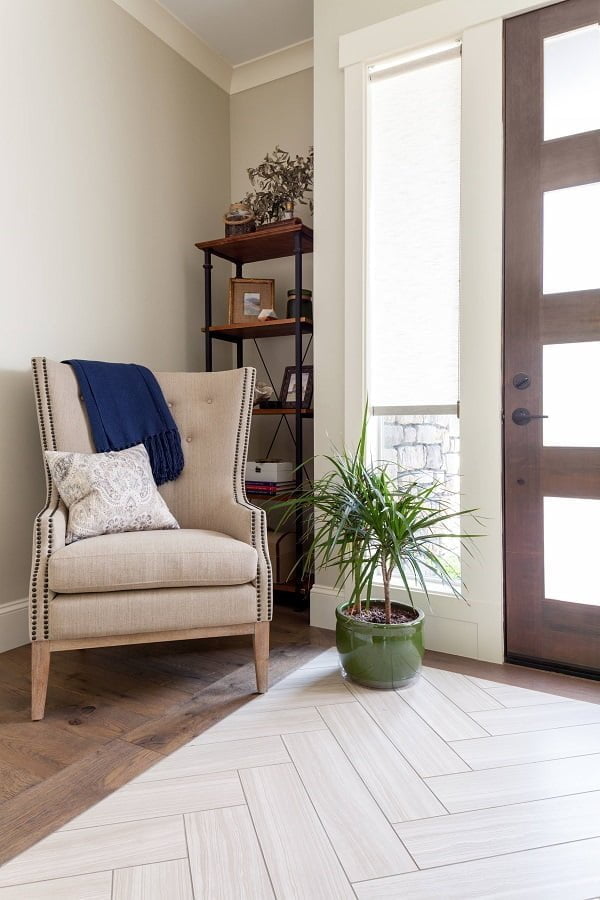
<point x="431" y="445"/>
<point x="428" y="443"/>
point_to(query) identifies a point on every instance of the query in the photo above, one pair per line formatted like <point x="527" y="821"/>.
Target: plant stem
<point x="386" y="592"/>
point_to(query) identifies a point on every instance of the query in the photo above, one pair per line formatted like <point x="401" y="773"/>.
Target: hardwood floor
<point x="114" y="712"/>
<point x="317" y="792"/>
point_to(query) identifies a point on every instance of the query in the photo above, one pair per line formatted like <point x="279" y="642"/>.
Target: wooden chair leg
<point x="40" y="666"/>
<point x="261" y="656"/>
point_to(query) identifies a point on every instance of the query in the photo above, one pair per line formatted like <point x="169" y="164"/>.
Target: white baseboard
<point x="323" y="601"/>
<point x="460" y="632"/>
<point x="14" y="624"/>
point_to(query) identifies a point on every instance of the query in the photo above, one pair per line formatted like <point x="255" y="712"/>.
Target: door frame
<point x="476" y="630"/>
<point x="543" y="632"/>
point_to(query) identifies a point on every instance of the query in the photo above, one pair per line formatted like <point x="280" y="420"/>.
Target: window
<point x="413" y="266"/>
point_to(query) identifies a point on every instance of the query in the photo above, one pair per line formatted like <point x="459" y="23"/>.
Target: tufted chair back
<point x="213" y="413"/>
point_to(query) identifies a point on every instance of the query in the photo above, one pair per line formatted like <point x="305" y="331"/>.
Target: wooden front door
<point x="552" y="336"/>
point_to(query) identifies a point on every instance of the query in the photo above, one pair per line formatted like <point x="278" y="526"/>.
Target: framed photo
<point x="288" y="388"/>
<point x="248" y="296"/>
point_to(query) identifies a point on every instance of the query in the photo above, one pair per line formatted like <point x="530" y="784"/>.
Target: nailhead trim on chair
<point x="52" y="500"/>
<point x="258" y="518"/>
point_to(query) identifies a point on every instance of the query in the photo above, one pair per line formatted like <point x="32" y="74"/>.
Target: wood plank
<point x="172" y="796"/>
<point x="97" y="886"/>
<point x="424" y="749"/>
<point x="198" y="759"/>
<point x="146" y="698"/>
<point x="450" y="722"/>
<point x="263" y="244"/>
<point x="298" y="855"/>
<point x="517" y="784"/>
<point x="14" y="781"/>
<point x="513" y="749"/>
<point x="509" y="695"/>
<point x="46" y="806"/>
<point x="538" y="718"/>
<point x="45" y="757"/>
<point x="91" y="716"/>
<point x="156" y="881"/>
<point x="216" y="701"/>
<point x="508" y="829"/>
<point x="346" y="809"/>
<point x="403" y="796"/>
<point x="260" y="329"/>
<point x="66" y="853"/>
<point x="225" y="857"/>
<point x="551" y="873"/>
<point x="249" y="724"/>
<point x="149" y="637"/>
<point x="461" y="690"/>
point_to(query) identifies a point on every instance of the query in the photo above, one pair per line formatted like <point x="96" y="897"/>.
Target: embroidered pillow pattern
<point x="107" y="493"/>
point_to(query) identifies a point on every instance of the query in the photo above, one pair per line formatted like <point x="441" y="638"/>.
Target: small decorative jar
<point x="288" y="210"/>
<point x="239" y="220"/>
<point x="306" y="306"/>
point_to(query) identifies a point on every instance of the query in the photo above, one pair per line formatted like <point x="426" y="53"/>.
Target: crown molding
<point x="178" y="37"/>
<point x="281" y="63"/>
<point x="192" y="48"/>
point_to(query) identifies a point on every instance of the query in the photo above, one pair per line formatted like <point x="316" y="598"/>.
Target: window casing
<point x="413" y="285"/>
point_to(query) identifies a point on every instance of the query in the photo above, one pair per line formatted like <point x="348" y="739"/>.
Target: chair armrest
<point x="49" y="532"/>
<point x="248" y="523"/>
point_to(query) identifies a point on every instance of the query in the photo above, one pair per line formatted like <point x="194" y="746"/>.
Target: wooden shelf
<point x="282" y="495"/>
<point x="267" y="243"/>
<point x="247" y="330"/>
<point x="281" y="411"/>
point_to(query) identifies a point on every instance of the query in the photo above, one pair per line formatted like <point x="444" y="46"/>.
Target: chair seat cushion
<point x="138" y="560"/>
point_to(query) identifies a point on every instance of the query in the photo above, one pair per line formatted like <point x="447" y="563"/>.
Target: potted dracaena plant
<point x="370" y="522"/>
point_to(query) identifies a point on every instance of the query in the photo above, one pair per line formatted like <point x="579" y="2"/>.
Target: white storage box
<point x="269" y="470"/>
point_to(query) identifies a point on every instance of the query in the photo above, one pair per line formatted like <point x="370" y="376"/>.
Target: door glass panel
<point x="572" y="82"/>
<point x="571" y="376"/>
<point x="571" y="257"/>
<point x="571" y="550"/>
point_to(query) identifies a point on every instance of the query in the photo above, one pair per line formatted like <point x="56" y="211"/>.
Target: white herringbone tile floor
<point x="453" y="788"/>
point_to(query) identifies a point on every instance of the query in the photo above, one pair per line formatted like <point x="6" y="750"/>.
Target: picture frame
<point x="287" y="395"/>
<point x="248" y="296"/>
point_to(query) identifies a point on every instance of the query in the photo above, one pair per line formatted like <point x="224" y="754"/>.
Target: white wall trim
<point x="427" y="25"/>
<point x="452" y="627"/>
<point x="323" y="601"/>
<point x="480" y="316"/>
<point x="192" y="48"/>
<point x="14" y="624"/>
<point x="280" y="64"/>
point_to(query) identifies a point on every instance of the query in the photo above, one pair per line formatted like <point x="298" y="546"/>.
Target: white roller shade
<point x="413" y="233"/>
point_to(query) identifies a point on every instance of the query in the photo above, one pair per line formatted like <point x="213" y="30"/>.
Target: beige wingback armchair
<point x="208" y="579"/>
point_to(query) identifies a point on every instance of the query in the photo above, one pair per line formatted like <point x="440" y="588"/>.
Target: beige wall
<point x="280" y="112"/>
<point x="115" y="159"/>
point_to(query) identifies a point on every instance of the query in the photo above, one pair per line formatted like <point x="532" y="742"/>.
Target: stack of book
<point x="270" y="488"/>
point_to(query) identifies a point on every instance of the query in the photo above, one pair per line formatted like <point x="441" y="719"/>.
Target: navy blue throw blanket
<point x="125" y="406"/>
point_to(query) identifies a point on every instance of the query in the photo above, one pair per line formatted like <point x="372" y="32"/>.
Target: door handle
<point x="522" y="416"/>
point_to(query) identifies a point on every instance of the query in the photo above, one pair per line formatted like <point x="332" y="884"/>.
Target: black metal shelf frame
<point x="300" y="353"/>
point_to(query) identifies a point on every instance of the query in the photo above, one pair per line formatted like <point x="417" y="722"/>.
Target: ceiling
<point x="240" y="30"/>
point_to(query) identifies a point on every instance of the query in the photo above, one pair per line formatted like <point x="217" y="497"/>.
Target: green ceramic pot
<point x="380" y="656"/>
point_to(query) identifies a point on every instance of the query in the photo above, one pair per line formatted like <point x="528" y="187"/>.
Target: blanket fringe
<point x="166" y="455"/>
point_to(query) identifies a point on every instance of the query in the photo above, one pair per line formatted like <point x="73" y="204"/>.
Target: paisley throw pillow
<point x="108" y="492"/>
